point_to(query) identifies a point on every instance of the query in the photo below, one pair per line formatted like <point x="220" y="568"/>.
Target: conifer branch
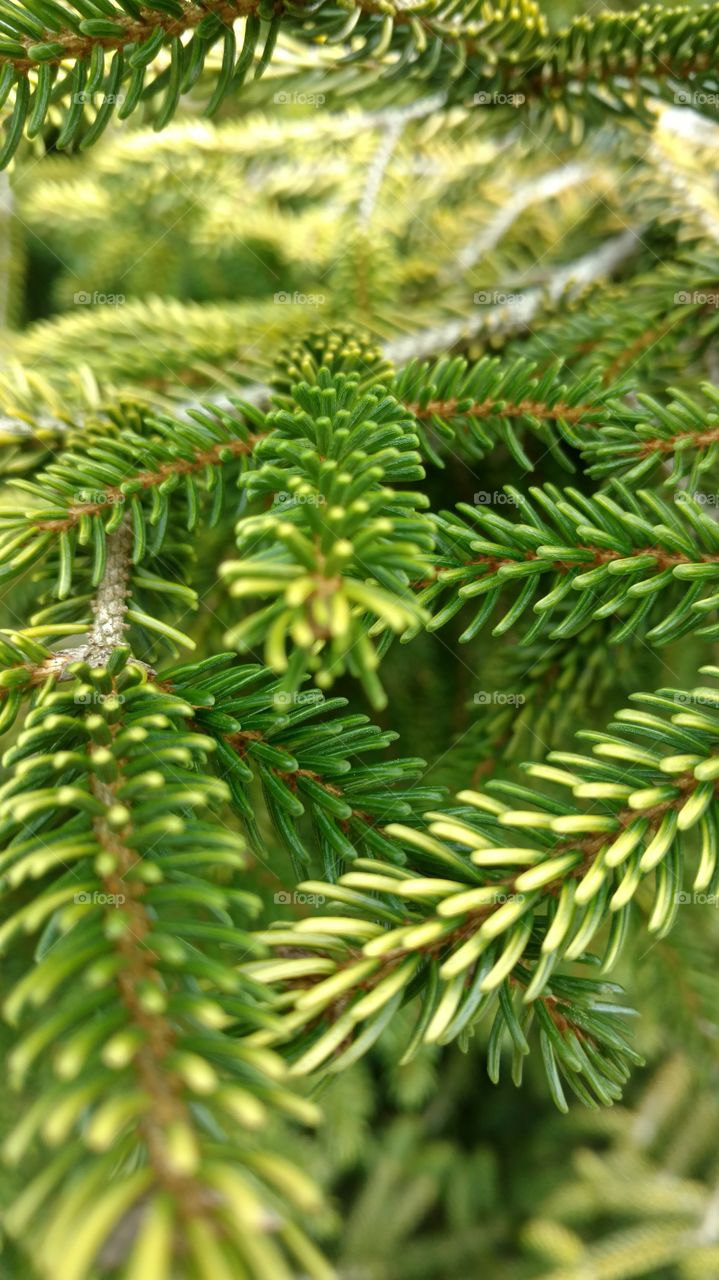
<point x="683" y="433"/>
<point x="140" y="986"/>
<point x="150" y="479"/>
<point x="454" y="925"/>
<point x="508" y="49"/>
<point x="109" y="615"/>
<point x="128" y="477"/>
<point x="476" y="407"/>
<point x="107" y="634"/>
<point x="80" y="42"/>
<point x="633" y="558"/>
<point x="161" y="1033"/>
<point x="136" y="922"/>
<point x="109" y="608"/>
<point x="341" y="547"/>
<point x="312" y="763"/>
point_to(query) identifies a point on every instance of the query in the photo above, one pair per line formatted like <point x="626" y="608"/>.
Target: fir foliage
<point x="412" y="406"/>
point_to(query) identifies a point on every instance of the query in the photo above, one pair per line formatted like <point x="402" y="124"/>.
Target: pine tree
<point x="414" y="346"/>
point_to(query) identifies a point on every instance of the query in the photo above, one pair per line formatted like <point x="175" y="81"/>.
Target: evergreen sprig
<point x="128" y="53"/>
<point x="131" y="999"/>
<point x="161" y="1029"/>
<point x="25" y="665"/>
<point x="498" y="893"/>
<point x="633" y="557"/>
<point x="149" y="479"/>
<point x="342" y="545"/>
<point x="317" y="788"/>
<point x="486" y="404"/>
<point x="682" y="438"/>
<point x="124" y="54"/>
